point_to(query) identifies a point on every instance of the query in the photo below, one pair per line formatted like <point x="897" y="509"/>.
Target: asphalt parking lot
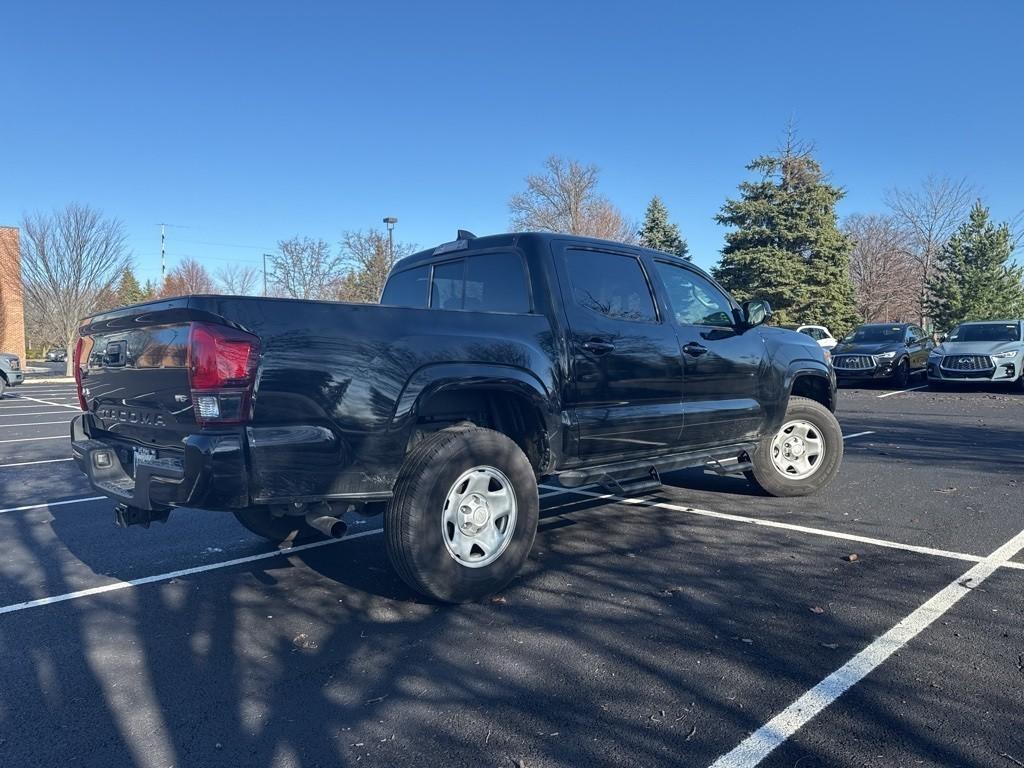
<point x="700" y="625"/>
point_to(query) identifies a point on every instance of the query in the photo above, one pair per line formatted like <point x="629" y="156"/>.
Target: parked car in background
<point x="56" y="355"/>
<point x="893" y="351"/>
<point x="981" y="351"/>
<point x="10" y="371"/>
<point x="819" y="333"/>
<point x="490" y="362"/>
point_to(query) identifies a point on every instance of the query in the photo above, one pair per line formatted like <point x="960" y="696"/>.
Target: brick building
<point x="12" y="305"/>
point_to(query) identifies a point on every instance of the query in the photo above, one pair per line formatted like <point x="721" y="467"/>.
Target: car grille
<point x="967" y="363"/>
<point x="853" y="362"/>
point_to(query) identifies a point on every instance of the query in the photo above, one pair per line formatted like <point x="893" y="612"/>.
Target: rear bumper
<point x="209" y="471"/>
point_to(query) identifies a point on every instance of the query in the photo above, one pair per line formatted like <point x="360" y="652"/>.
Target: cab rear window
<point x="489" y="282"/>
<point x="408" y="288"/>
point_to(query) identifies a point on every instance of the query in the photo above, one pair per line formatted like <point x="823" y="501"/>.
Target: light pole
<point x="391" y="221"/>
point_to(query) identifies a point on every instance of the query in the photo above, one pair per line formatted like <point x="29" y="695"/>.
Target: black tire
<point x="279" y="530"/>
<point x="772" y="481"/>
<point x="413" y="522"/>
<point x="901" y="376"/>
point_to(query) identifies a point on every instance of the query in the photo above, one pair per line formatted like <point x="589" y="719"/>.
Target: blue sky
<point x="255" y="121"/>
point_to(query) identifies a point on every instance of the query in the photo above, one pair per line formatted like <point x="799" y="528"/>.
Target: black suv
<point x="892" y="351"/>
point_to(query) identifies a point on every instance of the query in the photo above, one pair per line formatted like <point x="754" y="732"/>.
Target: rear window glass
<point x="407" y="289"/>
<point x="495" y="282"/>
<point x="611" y="284"/>
<point x="446" y="287"/>
<point x="490" y="282"/>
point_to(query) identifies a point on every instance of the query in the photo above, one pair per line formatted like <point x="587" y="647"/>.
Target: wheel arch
<point x="506" y="399"/>
<point x="814" y="384"/>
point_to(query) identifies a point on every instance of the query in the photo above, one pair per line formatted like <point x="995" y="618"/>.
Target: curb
<point x="50" y="380"/>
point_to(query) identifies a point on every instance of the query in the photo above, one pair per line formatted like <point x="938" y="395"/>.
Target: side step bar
<point x="627" y="471"/>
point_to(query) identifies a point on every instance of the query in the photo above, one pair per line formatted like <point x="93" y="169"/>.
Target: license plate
<point x="144" y="456"/>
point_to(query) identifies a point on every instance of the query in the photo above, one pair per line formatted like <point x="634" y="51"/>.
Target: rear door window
<point x="407" y="289"/>
<point x="611" y="284"/>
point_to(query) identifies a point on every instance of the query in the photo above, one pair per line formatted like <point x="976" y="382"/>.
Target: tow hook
<point x="125" y="516"/>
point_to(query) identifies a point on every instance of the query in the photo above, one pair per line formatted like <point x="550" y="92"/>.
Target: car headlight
<point x="937" y="352"/>
<point x="886" y="355"/>
<point x="828" y="356"/>
<point x="1005" y="355"/>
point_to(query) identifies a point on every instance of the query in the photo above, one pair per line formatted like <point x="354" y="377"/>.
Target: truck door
<point x="723" y="367"/>
<point x="624" y="393"/>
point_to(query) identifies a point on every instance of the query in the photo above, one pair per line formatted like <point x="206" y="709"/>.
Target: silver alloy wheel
<point x="479" y="516"/>
<point x="797" y="450"/>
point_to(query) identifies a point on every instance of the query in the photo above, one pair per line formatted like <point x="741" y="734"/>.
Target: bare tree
<point x="369" y="258"/>
<point x="238" y="280"/>
<point x="928" y="216"/>
<point x="70" y="258"/>
<point x="886" y="275"/>
<point x="564" y="198"/>
<point x="188" y="277"/>
<point x="305" y="269"/>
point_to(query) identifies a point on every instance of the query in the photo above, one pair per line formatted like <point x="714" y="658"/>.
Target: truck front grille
<point x="967" y="363"/>
<point x="853" y="362"/>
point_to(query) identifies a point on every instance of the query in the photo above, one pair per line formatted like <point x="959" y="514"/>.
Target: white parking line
<point x="766" y="523"/>
<point x="53" y="504"/>
<point x="776" y="731"/>
<point x="117" y="585"/>
<point x="30" y="463"/>
<point x="901" y="391"/>
<point x="48" y="402"/>
<point x="29" y="439"/>
<point x="858" y="434"/>
<point x="22" y="414"/>
<point x="35" y="423"/>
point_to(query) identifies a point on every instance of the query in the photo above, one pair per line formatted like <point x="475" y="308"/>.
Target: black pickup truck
<point x="490" y="363"/>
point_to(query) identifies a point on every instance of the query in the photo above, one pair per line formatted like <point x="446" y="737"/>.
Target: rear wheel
<point x="262" y="522"/>
<point x="804" y="455"/>
<point x="463" y="516"/>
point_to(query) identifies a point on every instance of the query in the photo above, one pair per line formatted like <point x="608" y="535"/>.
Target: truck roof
<point x="512" y="240"/>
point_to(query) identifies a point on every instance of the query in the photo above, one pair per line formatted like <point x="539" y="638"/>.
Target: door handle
<point x="694" y="349"/>
<point x="598" y="346"/>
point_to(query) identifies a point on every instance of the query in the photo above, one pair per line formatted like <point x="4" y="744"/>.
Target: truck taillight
<point x="222" y="366"/>
<point x="78" y="373"/>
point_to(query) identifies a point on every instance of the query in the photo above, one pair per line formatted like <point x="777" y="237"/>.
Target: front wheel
<point x="463" y="516"/>
<point x="901" y="378"/>
<point x="804" y="455"/>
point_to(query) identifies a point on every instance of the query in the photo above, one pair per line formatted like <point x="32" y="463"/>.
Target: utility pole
<point x="265" y="273"/>
<point x="163" y="258"/>
<point x="391" y="221"/>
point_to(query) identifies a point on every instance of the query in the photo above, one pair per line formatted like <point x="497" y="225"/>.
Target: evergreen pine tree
<point x="786" y="245"/>
<point x="128" y="290"/>
<point x="659" y="233"/>
<point x="976" y="279"/>
<point x="149" y="290"/>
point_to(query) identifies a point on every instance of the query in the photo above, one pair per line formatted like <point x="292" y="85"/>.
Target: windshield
<point x="986" y="332"/>
<point x="876" y="333"/>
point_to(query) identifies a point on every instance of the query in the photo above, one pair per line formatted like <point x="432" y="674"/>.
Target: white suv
<point x="817" y="332"/>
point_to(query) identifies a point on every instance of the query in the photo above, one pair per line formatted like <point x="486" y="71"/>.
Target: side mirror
<point x="941" y="337"/>
<point x="756" y="312"/>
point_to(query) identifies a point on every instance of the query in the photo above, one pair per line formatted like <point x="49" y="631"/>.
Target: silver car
<point x="10" y="372"/>
<point x="981" y="351"/>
